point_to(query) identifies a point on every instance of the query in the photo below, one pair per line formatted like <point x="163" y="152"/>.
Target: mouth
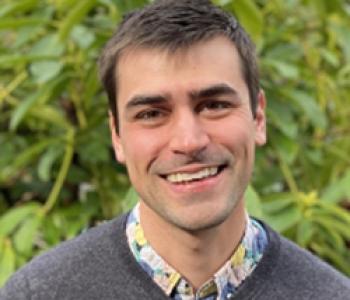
<point x="189" y="177"/>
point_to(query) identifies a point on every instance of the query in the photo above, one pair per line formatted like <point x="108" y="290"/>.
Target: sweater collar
<point x="222" y="285"/>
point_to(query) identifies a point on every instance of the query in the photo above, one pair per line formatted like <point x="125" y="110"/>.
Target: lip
<point x="196" y="186"/>
<point x="193" y="168"/>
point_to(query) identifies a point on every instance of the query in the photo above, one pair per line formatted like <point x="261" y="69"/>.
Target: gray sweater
<point x="98" y="265"/>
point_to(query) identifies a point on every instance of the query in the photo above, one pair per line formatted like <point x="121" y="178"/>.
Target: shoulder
<point x="96" y="243"/>
<point x="308" y="266"/>
<point x="95" y="258"/>
<point x="289" y="272"/>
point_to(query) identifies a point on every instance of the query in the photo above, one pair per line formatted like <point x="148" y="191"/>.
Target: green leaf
<point x="46" y="162"/>
<point x="343" y="75"/>
<point x="22" y="109"/>
<point x="287" y="148"/>
<point x="279" y="202"/>
<point x="49" y="45"/>
<point x="337" y="190"/>
<point x="25" y="35"/>
<point x="12" y="218"/>
<point x="286" y="70"/>
<point x="333" y="225"/>
<point x="51" y="116"/>
<point x="64" y="5"/>
<point x="343" y="37"/>
<point x="7" y="262"/>
<point x="24" y="237"/>
<point x="10" y="144"/>
<point x="253" y="203"/>
<point x="130" y="200"/>
<point x="17" y="6"/>
<point x="283" y="52"/>
<point x="41" y="97"/>
<point x="43" y="71"/>
<point x="62" y="173"/>
<point x="336" y="211"/>
<point x="281" y="116"/>
<point x="222" y="2"/>
<point x="315" y="155"/>
<point x="51" y="232"/>
<point x="330" y="237"/>
<point x="284" y="220"/>
<point x="330" y="57"/>
<point x="52" y="89"/>
<point x="94" y="146"/>
<point x="14" y="23"/>
<point x="310" y="108"/>
<point x="76" y="14"/>
<point x="91" y="86"/>
<point x="249" y="16"/>
<point x="8" y="61"/>
<point x="26" y="157"/>
<point x="82" y="36"/>
<point x="305" y="232"/>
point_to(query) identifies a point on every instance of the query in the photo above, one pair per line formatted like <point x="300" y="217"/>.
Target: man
<point x="186" y="113"/>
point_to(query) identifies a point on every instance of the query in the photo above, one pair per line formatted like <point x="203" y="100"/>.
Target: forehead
<point x="155" y="70"/>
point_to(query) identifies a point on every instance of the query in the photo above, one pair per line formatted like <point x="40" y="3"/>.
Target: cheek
<point x="141" y="146"/>
<point x="236" y="134"/>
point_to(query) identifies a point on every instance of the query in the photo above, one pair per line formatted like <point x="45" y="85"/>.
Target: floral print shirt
<point x="223" y="284"/>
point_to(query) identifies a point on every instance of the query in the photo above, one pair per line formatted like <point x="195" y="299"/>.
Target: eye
<point x="216" y="105"/>
<point x="214" y="108"/>
<point x="149" y="114"/>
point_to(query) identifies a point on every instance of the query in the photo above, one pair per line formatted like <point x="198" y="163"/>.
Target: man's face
<point x="186" y="131"/>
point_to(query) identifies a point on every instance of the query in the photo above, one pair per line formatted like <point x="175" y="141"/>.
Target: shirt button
<point x="229" y="296"/>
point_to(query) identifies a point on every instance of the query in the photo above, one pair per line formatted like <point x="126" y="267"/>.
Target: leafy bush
<point x="58" y="175"/>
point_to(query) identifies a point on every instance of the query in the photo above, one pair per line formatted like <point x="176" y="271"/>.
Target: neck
<point x="197" y="256"/>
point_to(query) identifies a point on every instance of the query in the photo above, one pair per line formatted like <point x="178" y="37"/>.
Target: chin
<point x="195" y="223"/>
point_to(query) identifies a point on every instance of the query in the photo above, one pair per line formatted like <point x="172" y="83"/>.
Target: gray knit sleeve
<point x="16" y="288"/>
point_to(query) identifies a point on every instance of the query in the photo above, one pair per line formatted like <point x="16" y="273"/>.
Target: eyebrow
<point x="140" y="100"/>
<point x="211" y="91"/>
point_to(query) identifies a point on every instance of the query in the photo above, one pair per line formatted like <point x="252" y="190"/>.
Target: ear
<point x="260" y="120"/>
<point x="117" y="146"/>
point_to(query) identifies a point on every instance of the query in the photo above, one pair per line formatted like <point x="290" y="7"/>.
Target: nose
<point x="188" y="135"/>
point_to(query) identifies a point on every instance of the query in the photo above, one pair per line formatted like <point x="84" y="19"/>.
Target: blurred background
<point x="58" y="175"/>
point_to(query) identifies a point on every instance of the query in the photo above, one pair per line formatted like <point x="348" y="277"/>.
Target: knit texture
<point x="98" y="265"/>
<point x="224" y="283"/>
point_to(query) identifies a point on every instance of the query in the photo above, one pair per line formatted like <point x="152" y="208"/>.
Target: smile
<point x="182" y="177"/>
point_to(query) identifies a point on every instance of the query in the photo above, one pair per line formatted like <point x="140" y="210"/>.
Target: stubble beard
<point x="191" y="222"/>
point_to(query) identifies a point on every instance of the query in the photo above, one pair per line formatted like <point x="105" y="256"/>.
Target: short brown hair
<point x="172" y="25"/>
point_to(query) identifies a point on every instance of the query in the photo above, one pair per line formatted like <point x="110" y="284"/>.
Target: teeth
<point x="185" y="177"/>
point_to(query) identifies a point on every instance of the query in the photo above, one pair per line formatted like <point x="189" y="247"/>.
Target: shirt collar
<point x="224" y="282"/>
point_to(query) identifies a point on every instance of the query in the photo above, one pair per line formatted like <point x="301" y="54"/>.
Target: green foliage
<point x="302" y="175"/>
<point x="58" y="175"/>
